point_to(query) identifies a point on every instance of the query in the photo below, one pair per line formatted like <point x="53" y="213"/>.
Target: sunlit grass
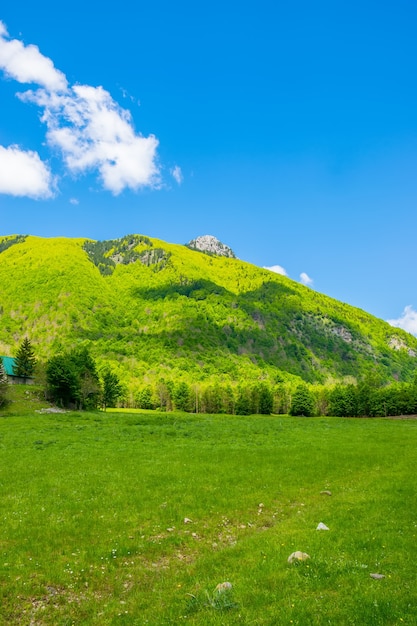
<point x="93" y="508"/>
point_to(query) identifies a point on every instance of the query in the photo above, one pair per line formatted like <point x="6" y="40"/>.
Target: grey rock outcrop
<point x="211" y="245"/>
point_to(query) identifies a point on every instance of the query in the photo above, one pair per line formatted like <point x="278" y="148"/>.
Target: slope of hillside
<point x="164" y="310"/>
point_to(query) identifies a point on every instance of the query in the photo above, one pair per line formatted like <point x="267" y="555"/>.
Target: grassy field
<point x="92" y="513"/>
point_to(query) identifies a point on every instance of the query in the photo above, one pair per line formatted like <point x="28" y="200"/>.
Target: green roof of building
<point x="8" y="363"/>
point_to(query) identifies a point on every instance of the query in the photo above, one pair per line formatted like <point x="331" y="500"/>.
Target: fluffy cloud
<point x="27" y="65"/>
<point x="305" y="279"/>
<point x="407" y="321"/>
<point x="24" y="174"/>
<point x="90" y="130"/>
<point x="93" y="132"/>
<point x="278" y="269"/>
<point x="177" y="174"/>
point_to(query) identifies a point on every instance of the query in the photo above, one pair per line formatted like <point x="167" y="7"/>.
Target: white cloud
<point x="177" y="174"/>
<point x="27" y="65"/>
<point x="278" y="269"/>
<point x="305" y="279"/>
<point x="24" y="174"/>
<point x="74" y="201"/>
<point x="91" y="131"/>
<point x="407" y="321"/>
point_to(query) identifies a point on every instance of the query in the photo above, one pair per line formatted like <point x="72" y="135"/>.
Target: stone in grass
<point x="377" y="576"/>
<point x="322" y="526"/>
<point x="326" y="492"/>
<point x="222" y="587"/>
<point x="298" y="556"/>
<point x="187" y="520"/>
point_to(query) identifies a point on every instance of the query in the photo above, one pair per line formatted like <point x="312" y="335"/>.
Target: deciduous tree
<point x="144" y="398"/>
<point x="182" y="397"/>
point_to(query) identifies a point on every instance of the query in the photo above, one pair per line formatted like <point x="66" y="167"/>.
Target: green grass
<point x="92" y="515"/>
<point x="24" y="400"/>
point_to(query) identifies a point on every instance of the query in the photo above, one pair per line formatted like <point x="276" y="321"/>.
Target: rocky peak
<point x="211" y="245"/>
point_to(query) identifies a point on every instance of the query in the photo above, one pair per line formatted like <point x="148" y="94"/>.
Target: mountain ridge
<point x="161" y="310"/>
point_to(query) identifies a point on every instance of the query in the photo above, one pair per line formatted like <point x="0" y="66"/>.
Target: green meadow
<point x="135" y="518"/>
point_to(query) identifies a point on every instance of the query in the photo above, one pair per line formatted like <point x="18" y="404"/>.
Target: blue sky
<point x="287" y="130"/>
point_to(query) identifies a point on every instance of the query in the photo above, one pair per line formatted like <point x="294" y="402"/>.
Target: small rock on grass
<point x="187" y="520"/>
<point x="221" y="587"/>
<point x="326" y="492"/>
<point x="322" y="526"/>
<point x="377" y="576"/>
<point x="298" y="556"/>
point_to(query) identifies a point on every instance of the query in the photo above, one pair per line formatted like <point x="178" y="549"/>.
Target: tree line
<point x="73" y="380"/>
<point x="368" y="398"/>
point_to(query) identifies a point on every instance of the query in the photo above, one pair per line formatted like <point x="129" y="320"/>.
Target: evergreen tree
<point x="302" y="402"/>
<point x="25" y="361"/>
<point x="72" y="379"/>
<point x="62" y="380"/>
<point x="243" y="402"/>
<point x="266" y="400"/>
<point x="112" y="389"/>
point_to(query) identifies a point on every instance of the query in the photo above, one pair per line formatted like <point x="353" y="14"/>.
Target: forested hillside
<point x="158" y="310"/>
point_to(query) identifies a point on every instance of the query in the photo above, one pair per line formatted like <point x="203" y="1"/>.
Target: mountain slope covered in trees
<point x="159" y="310"/>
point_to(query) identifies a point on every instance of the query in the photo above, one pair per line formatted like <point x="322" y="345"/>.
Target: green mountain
<point x="156" y="310"/>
